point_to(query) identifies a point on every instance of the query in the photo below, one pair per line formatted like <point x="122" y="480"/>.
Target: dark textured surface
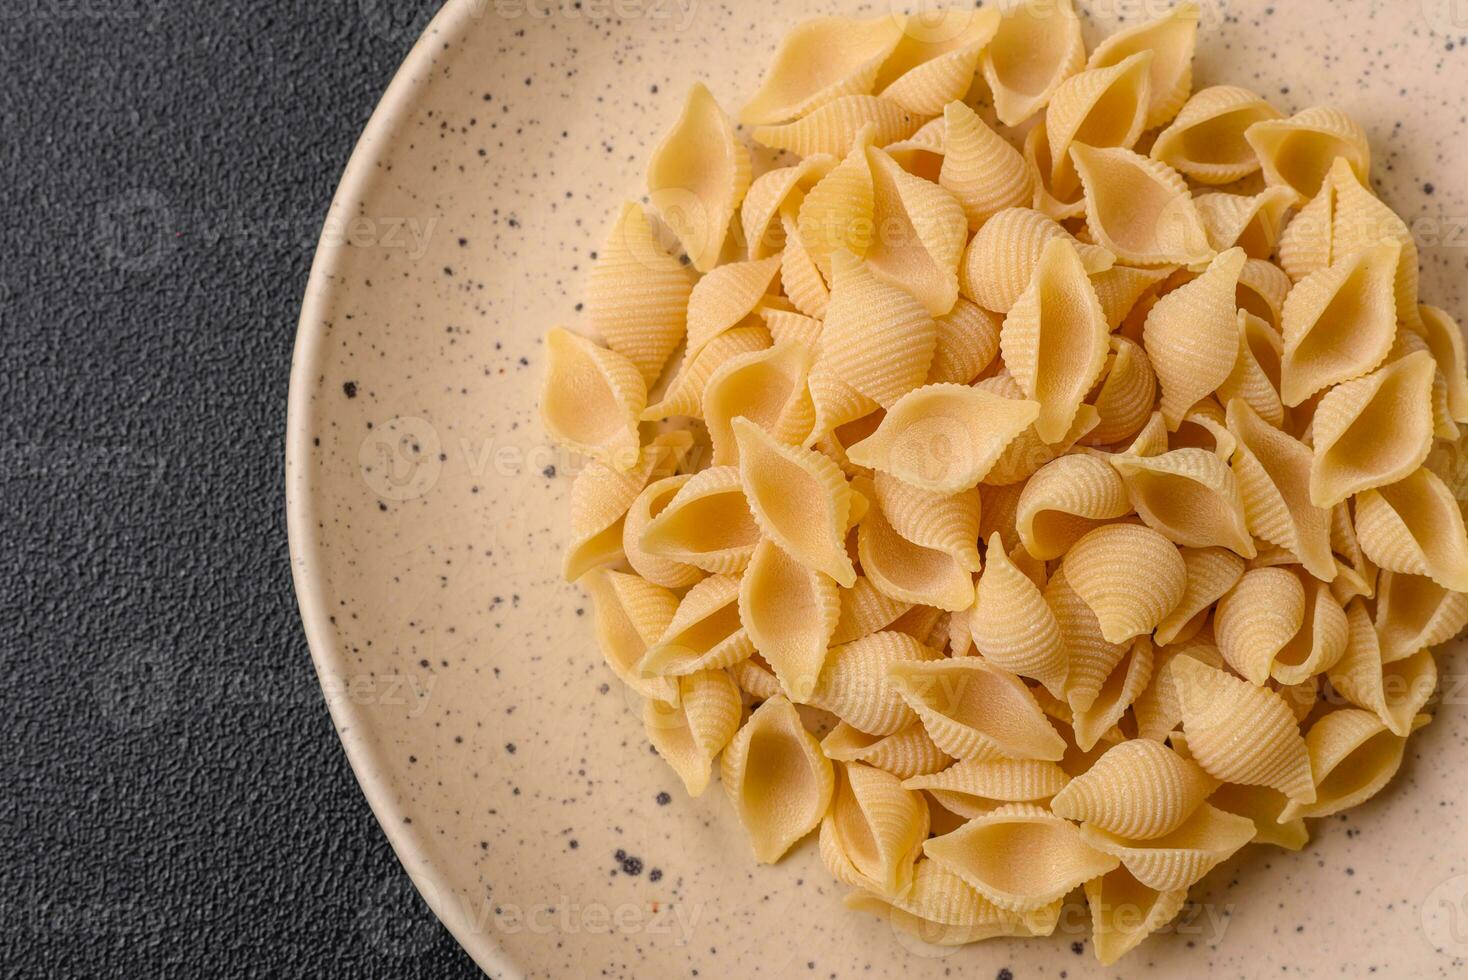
<point x="177" y="804"/>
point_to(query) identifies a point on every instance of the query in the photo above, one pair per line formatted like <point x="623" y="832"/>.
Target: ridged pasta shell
<point x="798" y="497"/>
<point x="1206" y="140"/>
<point x="855" y="686"/>
<point x="1177" y="860"/>
<point x="1126" y="682"/>
<point x="1170" y="39"/>
<point x="773" y="194"/>
<point x="1124" y="912"/>
<point x="1305" y="244"/>
<point x="631" y="614"/>
<point x="1205" y="427"/>
<point x="1001" y="258"/>
<point x="802" y="281"/>
<point x="1413" y="611"/>
<point x="1055" y="340"/>
<point x="1130" y="576"/>
<point x="874" y="831"/>
<point x="1372" y="431"/>
<point x="691" y="733"/>
<point x="637" y="294"/>
<point x="911" y="572"/>
<point x="1066" y="499"/>
<point x="1090" y="656"/>
<point x="1255" y="374"/>
<point x="974" y="710"/>
<point x="1212" y="572"/>
<point x="755" y="677"/>
<point x="819" y="61"/>
<point x="650" y="503"/>
<point x="1445" y="340"/>
<point x="1216" y="707"/>
<point x="601" y="499"/>
<point x="1263" y="287"/>
<point x="834" y="126"/>
<point x="704" y="634"/>
<point x="1158" y="710"/>
<point x="1361" y="220"/>
<point x="684" y="394"/>
<point x="1152" y="439"/>
<point x="921" y="154"/>
<point x="591" y="399"/>
<point x="1125" y="396"/>
<point x="797" y="329"/>
<point x="945" y="437"/>
<point x="837" y="213"/>
<point x="1263" y="806"/>
<point x="982" y="853"/>
<point x="1339" y="323"/>
<point x="1415" y="526"/>
<point x="1273" y="470"/>
<point x="1272" y="624"/>
<point x="777" y="778"/>
<point x="707" y="524"/>
<point x="1038" y="45"/>
<point x="971" y="789"/>
<point x="864" y="610"/>
<point x="940" y="909"/>
<point x="1252" y="222"/>
<point x="1001" y="504"/>
<point x="1101" y="106"/>
<point x="1139" y="789"/>
<point x="967" y="342"/>
<point x="944" y="522"/>
<point x="1353" y="755"/>
<point x="1121" y="286"/>
<point x="1023" y="456"/>
<point x="1013" y="627"/>
<point x="921" y="234"/>
<point x="767" y="388"/>
<point x="1192" y="336"/>
<point x="904" y="754"/>
<point x="1298" y="151"/>
<point x="878" y="339"/>
<point x="980" y="168"/>
<point x="697" y="177"/>
<point x="1139" y="209"/>
<point x="725" y="297"/>
<point x="789" y="612"/>
<point x="937" y="58"/>
<point x="1190" y="495"/>
<point x="1395" y="691"/>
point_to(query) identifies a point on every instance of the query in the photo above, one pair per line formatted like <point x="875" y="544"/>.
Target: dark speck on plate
<point x="350" y="389"/>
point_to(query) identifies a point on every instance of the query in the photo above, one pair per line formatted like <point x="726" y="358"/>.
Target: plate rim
<point x="403" y="90"/>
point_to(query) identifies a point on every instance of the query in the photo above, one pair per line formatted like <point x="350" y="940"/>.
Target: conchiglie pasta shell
<point x="1090" y="656"/>
<point x="906" y="754"/>
<point x="971" y="789"/>
<point x="1353" y="755"/>
<point x="704" y="634"/>
<point x="1257" y="618"/>
<point x="789" y="612"/>
<point x="855" y="686"/>
<point x="911" y="572"/>
<point x="1139" y="789"/>
<point x="1206" y="140"/>
<point x="754" y="677"/>
<point x="698" y="176"/>
<point x="1190" y="495"/>
<point x="874" y="831"/>
<point x="942" y="69"/>
<point x="1372" y="431"/>
<point x="649" y="503"/>
<point x="1361" y="220"/>
<point x="1263" y="287"/>
<point x="1255" y="374"/>
<point x="1120" y="287"/>
<point x="1013" y="627"/>
<point x="707" y="524"/>
<point x="1001" y="258"/>
<point x="1263" y="806"/>
<point x="1066" y="499"/>
<point x="1212" y="572"/>
<point x="1252" y="222"/>
<point x="1415" y="526"/>
<point x="1158" y="709"/>
<point x="1192" y="336"/>
<point x="967" y="342"/>
<point x="1126" y="682"/>
<point x="765" y="387"/>
<point x="1179" y="859"/>
<point x="940" y="909"/>
<point x="980" y="168"/>
<point x="878" y="339"/>
<point x="1305" y="244"/>
<point x="837" y="214"/>
<point x="770" y="196"/>
<point x="630" y="616"/>
<point x="819" y="61"/>
<point x="591" y="400"/>
<point x="601" y="499"/>
<point x="1395" y="691"/>
<point x="1413" y="611"/>
<point x="1124" y="912"/>
<point x="1027" y="452"/>
<point x="1445" y="340"/>
<point x="1130" y="576"/>
<point x="1170" y="40"/>
<point x="922" y="234"/>
<point x="1139" y="209"/>
<point x="684" y="394"/>
<point x="777" y="778"/>
<point x="973" y="710"/>
<point x="689" y="735"/>
<point x="834" y="126"/>
<point x="944" y="522"/>
<point x="725" y="297"/>
<point x="799" y="277"/>
<point x="1101" y="106"/>
<point x="1298" y="152"/>
<point x="864" y="610"/>
<point x="1038" y="45"/>
<point x="637" y="294"/>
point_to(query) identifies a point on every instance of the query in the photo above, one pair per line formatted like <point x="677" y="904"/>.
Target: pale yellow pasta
<point x="1126" y="682"/>
<point x="1353" y="755"/>
<point x="1065" y="499"/>
<point x="1140" y="209"/>
<point x="704" y="634"/>
<point x="1394" y="691"/>
<point x="1027" y="452"/>
<point x="1036" y="154"/>
<point x="1212" y="572"/>
<point x="1037" y="46"/>
<point x="1130" y="577"/>
<point x="798" y="497"/>
<point x="1252" y="222"/>
<point x="855" y="685"/>
<point x="905" y="754"/>
<point x="1339" y="323"/>
<point x="864" y="610"/>
<point x="1104" y="106"/>
<point x="878" y="339"/>
<point x="1372" y="431"/>
<point x="1298" y="152"/>
<point x="1445" y="340"/>
<point x="921" y="154"/>
<point x="922" y="234"/>
<point x="1305" y="243"/>
<point x="940" y="909"/>
<point x="725" y="297"/>
<point x="833" y="128"/>
<point x="1273" y="470"/>
<point x="1121" y="287"/>
<point x="911" y="572"/>
<point x="1011" y="625"/>
<point x="697" y="177"/>
<point x="1091" y="657"/>
<point x="1138" y="789"/>
<point x="1217" y="706"/>
<point x="601" y="499"/>
<point x="649" y="504"/>
<point x="773" y="194"/>
<point x="1152" y="439"/>
<point x="1361" y="220"/>
<point x="1125" y="395"/>
<point x="768" y="389"/>
<point x="1124" y="912"/>
<point x="1170" y="39"/>
<point x="789" y="612"/>
<point x="1415" y="526"/>
<point x="1413" y="611"/>
<point x="1192" y="336"/>
<point x="1001" y="258"/>
<point x="1255" y="374"/>
<point x="684" y="394"/>
<point x="755" y="677"/>
<point x="1206" y="141"/>
<point x="936" y="59"/>
<point x="1190" y="495"/>
<point x="1177" y="860"/>
<point x="591" y="400"/>
<point x="777" y="778"/>
<point x="980" y="168"/>
<point x="1263" y="287"/>
<point x="944" y="522"/>
<point x="790" y="327"/>
<point x="802" y="281"/>
<point x="1158" y="709"/>
<point x="1021" y="857"/>
<point x="967" y="343"/>
<point x="975" y="711"/>
<point x="637" y="294"/>
<point x="874" y="831"/>
<point x="631" y="613"/>
<point x="1355" y="574"/>
<point x="971" y="789"/>
<point x="944" y="437"/>
<point x="689" y="734"/>
<point x="707" y="524"/>
<point x="1054" y="340"/>
<point x="819" y="61"/>
<point x="1275" y="623"/>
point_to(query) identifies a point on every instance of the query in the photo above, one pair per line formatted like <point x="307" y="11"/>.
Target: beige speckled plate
<point x="427" y="516"/>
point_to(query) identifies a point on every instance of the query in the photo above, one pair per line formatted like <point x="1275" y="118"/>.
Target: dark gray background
<point x="175" y="801"/>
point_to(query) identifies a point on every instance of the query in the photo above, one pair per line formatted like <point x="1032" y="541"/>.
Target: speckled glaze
<point x="428" y="515"/>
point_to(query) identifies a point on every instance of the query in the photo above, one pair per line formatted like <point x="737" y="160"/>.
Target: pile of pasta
<point x="1060" y="484"/>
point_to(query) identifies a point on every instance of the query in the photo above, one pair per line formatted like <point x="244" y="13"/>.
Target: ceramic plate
<point x="428" y="514"/>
